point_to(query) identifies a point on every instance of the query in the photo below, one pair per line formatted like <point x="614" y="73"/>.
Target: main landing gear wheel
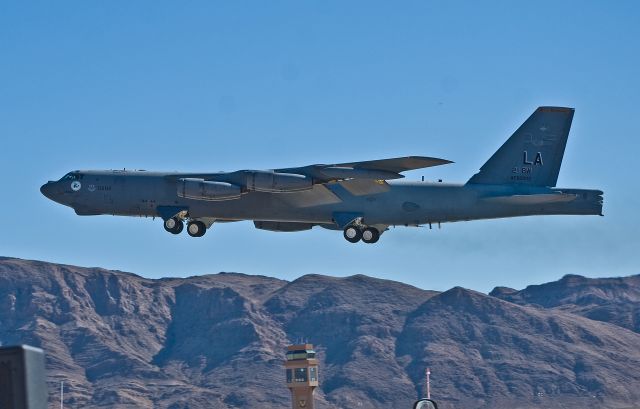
<point x="370" y="235"/>
<point x="352" y="234"/>
<point x="173" y="225"/>
<point x="196" y="229"/>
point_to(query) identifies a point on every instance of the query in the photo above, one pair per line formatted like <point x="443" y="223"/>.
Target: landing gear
<point x="352" y="233"/>
<point x="173" y="225"/>
<point x="196" y="228"/>
<point x="370" y="235"/>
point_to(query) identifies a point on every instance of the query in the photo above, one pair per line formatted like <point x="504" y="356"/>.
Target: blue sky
<point x="209" y="86"/>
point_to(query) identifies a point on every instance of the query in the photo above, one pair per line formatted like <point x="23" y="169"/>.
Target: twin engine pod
<point x="270" y="182"/>
<point x="200" y="189"/>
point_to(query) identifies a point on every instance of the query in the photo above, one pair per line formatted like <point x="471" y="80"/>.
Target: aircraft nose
<point x="48" y="190"/>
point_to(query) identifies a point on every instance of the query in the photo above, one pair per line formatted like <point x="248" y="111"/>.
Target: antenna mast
<point x="428" y="384"/>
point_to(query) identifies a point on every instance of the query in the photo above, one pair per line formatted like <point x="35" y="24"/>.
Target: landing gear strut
<point x="173" y="225"/>
<point x="196" y="228"/>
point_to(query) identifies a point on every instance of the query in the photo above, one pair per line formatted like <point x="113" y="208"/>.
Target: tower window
<point x="289" y="375"/>
<point x="300" y="354"/>
<point x="313" y="374"/>
<point x="301" y="374"/>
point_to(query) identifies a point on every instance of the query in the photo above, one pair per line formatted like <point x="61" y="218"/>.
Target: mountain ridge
<point x="121" y="340"/>
<point x="614" y="300"/>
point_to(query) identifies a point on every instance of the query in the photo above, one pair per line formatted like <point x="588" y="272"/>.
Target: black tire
<point x="352" y="234"/>
<point x="196" y="229"/>
<point x="173" y="225"/>
<point x="370" y="235"/>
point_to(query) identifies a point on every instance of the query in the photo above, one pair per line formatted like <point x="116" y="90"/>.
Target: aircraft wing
<point x="397" y="165"/>
<point x="381" y="169"/>
<point x="226" y="185"/>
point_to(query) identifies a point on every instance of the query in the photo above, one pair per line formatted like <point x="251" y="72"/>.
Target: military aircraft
<point x="363" y="199"/>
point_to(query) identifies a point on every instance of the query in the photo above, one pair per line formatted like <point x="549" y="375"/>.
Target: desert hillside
<point x="122" y="341"/>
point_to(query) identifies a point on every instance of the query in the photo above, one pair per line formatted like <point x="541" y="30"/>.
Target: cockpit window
<point x="72" y="176"/>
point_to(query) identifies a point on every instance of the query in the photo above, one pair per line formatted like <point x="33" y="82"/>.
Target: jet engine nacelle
<point x="272" y="182"/>
<point x="200" y="189"/>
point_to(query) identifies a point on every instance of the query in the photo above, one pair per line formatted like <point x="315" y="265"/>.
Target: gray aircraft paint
<point x="518" y="180"/>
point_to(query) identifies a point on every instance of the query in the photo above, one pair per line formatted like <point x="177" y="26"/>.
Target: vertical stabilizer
<point x="533" y="154"/>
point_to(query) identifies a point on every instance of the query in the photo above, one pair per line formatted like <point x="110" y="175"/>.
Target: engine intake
<point x="200" y="189"/>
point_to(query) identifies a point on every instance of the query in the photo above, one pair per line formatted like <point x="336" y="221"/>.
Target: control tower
<point x="302" y="375"/>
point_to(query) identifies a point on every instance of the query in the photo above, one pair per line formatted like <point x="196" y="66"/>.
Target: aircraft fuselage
<point x="141" y="193"/>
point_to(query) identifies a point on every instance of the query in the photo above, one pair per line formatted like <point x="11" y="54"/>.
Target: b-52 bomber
<point x="362" y="199"/>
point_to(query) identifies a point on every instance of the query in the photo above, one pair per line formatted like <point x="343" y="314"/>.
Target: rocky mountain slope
<point x="119" y="340"/>
<point x="613" y="300"/>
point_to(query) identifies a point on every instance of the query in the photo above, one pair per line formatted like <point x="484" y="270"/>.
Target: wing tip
<point x="439" y="161"/>
<point x="555" y="109"/>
